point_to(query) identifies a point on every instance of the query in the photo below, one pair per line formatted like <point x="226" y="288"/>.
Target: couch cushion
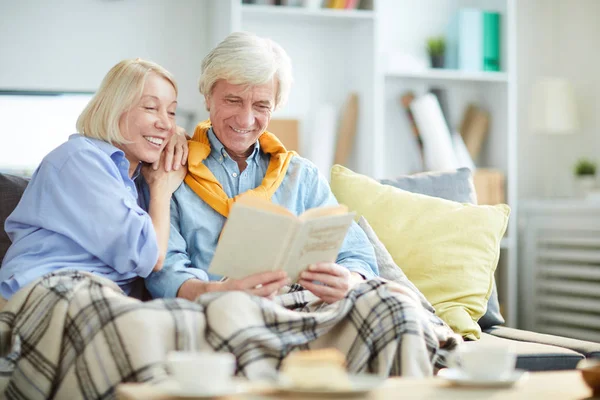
<point x="387" y="267"/>
<point x="455" y="186"/>
<point x="492" y="316"/>
<point x="450" y="185"/>
<point x="449" y="250"/>
<point x="11" y="189"/>
<point x="534" y="356"/>
<point x="588" y="349"/>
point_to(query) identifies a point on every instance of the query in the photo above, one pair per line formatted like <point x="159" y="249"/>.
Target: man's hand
<point x="264" y="284"/>
<point x="335" y="281"/>
<point x="176" y="151"/>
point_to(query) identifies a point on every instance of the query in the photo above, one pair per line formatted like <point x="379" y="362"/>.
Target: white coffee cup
<point x="483" y="362"/>
<point x="201" y="372"/>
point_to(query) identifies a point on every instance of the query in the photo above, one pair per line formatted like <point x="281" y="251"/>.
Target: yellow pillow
<point x="447" y="249"/>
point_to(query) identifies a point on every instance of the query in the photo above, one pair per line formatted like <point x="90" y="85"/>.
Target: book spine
<point x="440" y="94"/>
<point x="451" y="53"/>
<point x="406" y="99"/>
<point x="351" y="4"/>
<point x="491" y="41"/>
<point x="470" y="39"/>
<point x="437" y="142"/>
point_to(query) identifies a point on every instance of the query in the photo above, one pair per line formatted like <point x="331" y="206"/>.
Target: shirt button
<point x="220" y="159"/>
<point x="128" y="189"/>
<point x="234" y="175"/>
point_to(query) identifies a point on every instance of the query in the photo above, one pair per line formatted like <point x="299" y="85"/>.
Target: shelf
<point x="301" y="13"/>
<point x="450" y="75"/>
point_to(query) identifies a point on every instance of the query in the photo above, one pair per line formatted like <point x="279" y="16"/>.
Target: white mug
<point x="201" y="372"/>
<point x="483" y="362"/>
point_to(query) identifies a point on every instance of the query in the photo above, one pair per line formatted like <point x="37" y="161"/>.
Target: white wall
<point x="557" y="38"/>
<point x="71" y="44"/>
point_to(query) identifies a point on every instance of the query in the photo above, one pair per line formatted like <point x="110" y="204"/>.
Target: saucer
<point x="459" y="378"/>
<point x="360" y="384"/>
<point x="232" y="389"/>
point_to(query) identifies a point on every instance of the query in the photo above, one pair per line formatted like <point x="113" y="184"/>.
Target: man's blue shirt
<point x="195" y="226"/>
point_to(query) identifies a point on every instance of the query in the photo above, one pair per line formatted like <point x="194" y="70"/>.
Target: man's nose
<point x="245" y="117"/>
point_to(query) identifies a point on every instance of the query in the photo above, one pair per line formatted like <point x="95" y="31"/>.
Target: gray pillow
<point x="450" y="185"/>
<point x="11" y="189"/>
<point x="387" y="267"/>
<point x="455" y="186"/>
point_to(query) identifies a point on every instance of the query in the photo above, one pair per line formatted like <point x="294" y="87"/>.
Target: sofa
<point x="535" y="351"/>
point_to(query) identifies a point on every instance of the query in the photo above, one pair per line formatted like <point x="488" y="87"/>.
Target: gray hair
<point x="244" y="58"/>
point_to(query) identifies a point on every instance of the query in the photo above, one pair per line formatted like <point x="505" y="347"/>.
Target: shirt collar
<point x="217" y="150"/>
<point x="115" y="154"/>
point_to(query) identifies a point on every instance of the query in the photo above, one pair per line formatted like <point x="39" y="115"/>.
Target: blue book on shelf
<point x="470" y="39"/>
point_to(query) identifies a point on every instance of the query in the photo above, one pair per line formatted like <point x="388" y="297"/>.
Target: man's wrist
<point x="192" y="288"/>
<point x="358" y="275"/>
<point x="356" y="278"/>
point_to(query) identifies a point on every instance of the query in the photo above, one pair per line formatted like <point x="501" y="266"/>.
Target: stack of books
<point x="336" y="4"/>
<point x="473" y="41"/>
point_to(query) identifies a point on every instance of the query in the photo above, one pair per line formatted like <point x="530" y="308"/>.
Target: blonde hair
<point x="243" y="58"/>
<point x="121" y="89"/>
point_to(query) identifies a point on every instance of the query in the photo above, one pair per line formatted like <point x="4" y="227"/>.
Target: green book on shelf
<point x="491" y="41"/>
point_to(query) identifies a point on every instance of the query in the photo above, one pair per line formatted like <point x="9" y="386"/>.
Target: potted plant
<point x="585" y="174"/>
<point x="436" y="47"/>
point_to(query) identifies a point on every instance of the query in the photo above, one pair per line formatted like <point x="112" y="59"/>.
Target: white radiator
<point x="561" y="286"/>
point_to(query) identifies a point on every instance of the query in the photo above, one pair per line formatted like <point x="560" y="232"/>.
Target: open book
<point x="260" y="236"/>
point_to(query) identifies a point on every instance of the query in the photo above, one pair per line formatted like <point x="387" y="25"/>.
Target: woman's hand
<point x="335" y="281"/>
<point x="162" y="184"/>
<point x="176" y="151"/>
<point x="160" y="181"/>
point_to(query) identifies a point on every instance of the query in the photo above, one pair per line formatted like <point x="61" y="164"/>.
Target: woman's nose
<point x="164" y="122"/>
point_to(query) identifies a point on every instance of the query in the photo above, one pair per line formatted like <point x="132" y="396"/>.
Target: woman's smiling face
<point x="149" y="124"/>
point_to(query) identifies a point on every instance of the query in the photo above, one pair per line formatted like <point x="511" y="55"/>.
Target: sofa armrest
<point x="588" y="349"/>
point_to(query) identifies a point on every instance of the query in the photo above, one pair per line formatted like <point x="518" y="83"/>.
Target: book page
<point x="252" y="241"/>
<point x="323" y="211"/>
<point x="262" y="204"/>
<point x="317" y="240"/>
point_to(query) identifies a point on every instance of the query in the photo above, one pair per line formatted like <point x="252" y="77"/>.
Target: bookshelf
<point x="335" y="52"/>
<point x="299" y="13"/>
<point x="449" y="75"/>
<point x="406" y="32"/>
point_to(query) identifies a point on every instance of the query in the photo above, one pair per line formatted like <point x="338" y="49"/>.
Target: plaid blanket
<point x="74" y="335"/>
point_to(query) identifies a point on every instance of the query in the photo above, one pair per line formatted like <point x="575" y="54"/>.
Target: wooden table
<point x="563" y="385"/>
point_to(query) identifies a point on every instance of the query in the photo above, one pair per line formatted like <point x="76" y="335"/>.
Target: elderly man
<point x="243" y="80"/>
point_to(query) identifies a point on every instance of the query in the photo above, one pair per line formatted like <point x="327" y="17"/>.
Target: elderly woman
<point x="80" y="210"/>
<point x="243" y="80"/>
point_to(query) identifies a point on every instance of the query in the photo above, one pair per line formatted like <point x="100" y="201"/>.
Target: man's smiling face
<point x="240" y="114"/>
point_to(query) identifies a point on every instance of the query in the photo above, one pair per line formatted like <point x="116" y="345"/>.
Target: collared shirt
<point x="80" y="212"/>
<point x="195" y="226"/>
